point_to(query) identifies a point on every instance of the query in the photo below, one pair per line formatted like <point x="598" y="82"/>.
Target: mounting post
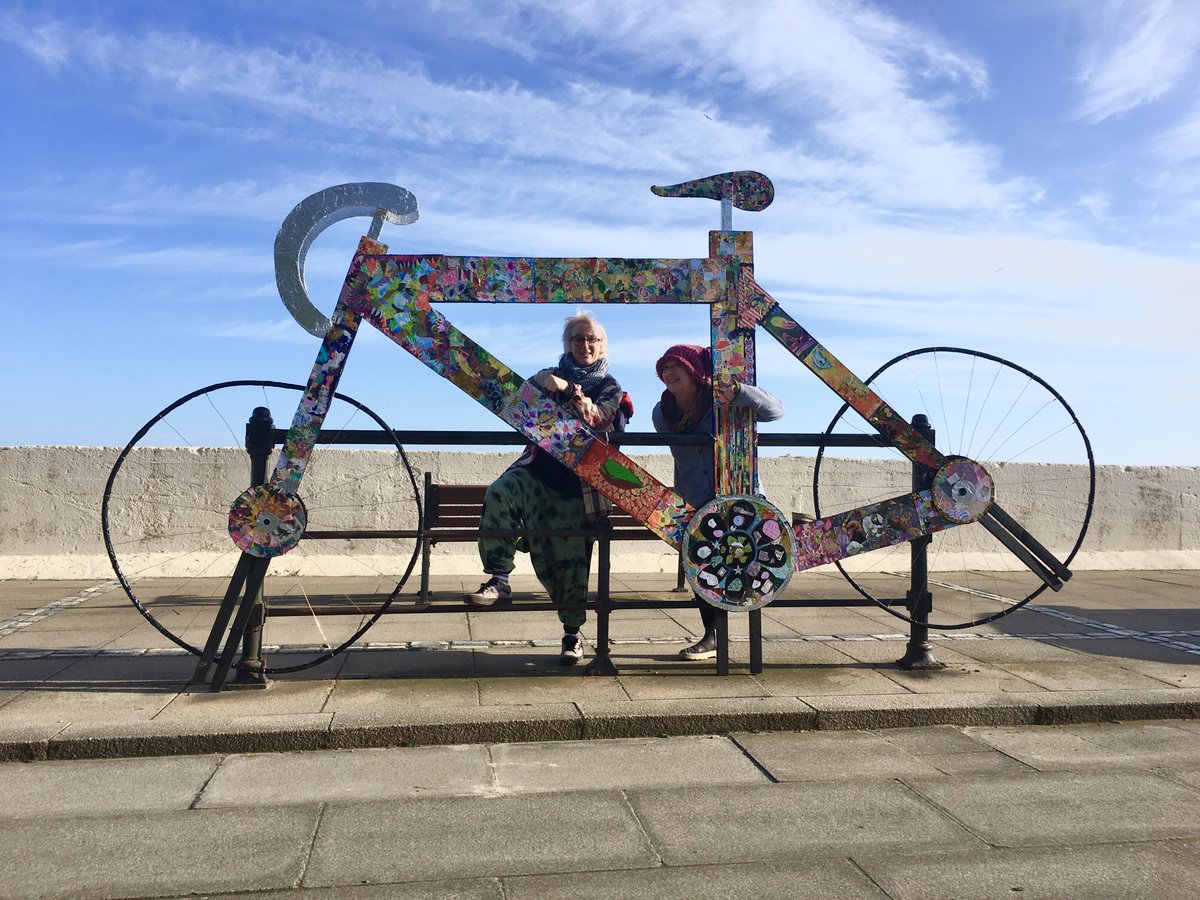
<point x="919" y="653"/>
<point x="602" y="663"/>
<point x="260" y="442"/>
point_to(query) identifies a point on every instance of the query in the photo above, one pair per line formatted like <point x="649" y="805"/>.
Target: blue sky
<point x="1021" y="178"/>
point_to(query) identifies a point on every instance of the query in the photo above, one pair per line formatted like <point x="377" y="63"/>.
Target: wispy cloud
<point x="877" y="93"/>
<point x="180" y="261"/>
<point x="279" y="330"/>
<point x="1007" y="287"/>
<point x="1136" y="52"/>
<point x="577" y="120"/>
<point x="1181" y="142"/>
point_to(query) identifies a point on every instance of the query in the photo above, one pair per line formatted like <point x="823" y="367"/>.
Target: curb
<point x="591" y="721"/>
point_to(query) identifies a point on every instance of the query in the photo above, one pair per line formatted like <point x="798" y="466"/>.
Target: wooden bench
<point x="452" y="513"/>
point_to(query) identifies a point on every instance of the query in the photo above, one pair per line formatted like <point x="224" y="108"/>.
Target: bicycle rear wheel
<point x="165" y="519"/>
<point x="989" y="410"/>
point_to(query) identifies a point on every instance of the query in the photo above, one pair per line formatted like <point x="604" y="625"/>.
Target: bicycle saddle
<point x="751" y="191"/>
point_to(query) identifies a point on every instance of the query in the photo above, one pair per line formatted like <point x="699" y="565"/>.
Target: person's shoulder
<point x="606" y="387"/>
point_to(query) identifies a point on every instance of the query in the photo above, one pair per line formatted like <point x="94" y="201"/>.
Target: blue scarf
<point x="587" y="377"/>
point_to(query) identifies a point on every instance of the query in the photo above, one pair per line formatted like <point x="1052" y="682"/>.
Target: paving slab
<point x="884" y="654"/>
<point x="450" y="889"/>
<point x="1001" y="652"/>
<point x="156" y="854"/>
<point x="271" y="779"/>
<point x="1082" y="675"/>
<point x="823" y="878"/>
<point x="832" y="679"/>
<point x="622" y="764"/>
<point x="795" y="651"/>
<point x="524" y="661"/>
<point x="464" y="837"/>
<point x="18" y="674"/>
<point x="936" y="740"/>
<point x="501" y="691"/>
<point x="1056" y="808"/>
<point x="76" y="636"/>
<point x="1188" y="775"/>
<point x="1089" y="746"/>
<point x="1169" y="671"/>
<point x="373" y="695"/>
<point x="142" y="672"/>
<point x="35" y="593"/>
<point x="408" y="627"/>
<point x="142" y="635"/>
<point x="280" y="698"/>
<point x="405" y="663"/>
<point x="831" y="756"/>
<point x="1114" y="870"/>
<point x="953" y="751"/>
<point x="963" y="676"/>
<point x="96" y="787"/>
<point x="795" y="821"/>
<point x="43" y="707"/>
<point x="692" y="680"/>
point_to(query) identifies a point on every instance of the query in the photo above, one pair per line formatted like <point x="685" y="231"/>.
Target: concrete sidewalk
<point x="83" y="675"/>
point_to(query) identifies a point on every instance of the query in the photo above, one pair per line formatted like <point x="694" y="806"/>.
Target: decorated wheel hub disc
<point x="962" y="490"/>
<point x="266" y="522"/>
<point x="738" y="552"/>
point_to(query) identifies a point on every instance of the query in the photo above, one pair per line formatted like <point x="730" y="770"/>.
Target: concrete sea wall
<point x="50" y="509"/>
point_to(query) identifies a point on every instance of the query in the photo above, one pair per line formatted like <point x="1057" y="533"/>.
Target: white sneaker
<point x="491" y="591"/>
<point x="705" y="648"/>
<point x="572" y="649"/>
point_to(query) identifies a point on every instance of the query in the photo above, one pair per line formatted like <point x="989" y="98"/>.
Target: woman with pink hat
<point x="686" y="407"/>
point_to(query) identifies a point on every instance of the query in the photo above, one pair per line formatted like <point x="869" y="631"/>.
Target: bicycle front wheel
<point x="989" y="410"/>
<point x="165" y="519"/>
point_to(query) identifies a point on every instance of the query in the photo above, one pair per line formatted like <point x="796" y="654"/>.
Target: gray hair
<point x="583" y="316"/>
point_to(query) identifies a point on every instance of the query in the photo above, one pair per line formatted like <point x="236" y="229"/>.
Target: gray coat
<point x="694" y="465"/>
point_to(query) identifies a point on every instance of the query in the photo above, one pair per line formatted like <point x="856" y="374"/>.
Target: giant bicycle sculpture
<point x="739" y="550"/>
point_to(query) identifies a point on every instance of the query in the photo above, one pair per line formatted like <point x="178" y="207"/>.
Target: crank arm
<point x="1025" y="547"/>
<point x="899" y="520"/>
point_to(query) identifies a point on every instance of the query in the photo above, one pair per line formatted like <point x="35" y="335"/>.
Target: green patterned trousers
<point x="519" y="499"/>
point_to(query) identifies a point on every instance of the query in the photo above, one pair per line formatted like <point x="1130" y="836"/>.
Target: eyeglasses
<point x="590" y="341"/>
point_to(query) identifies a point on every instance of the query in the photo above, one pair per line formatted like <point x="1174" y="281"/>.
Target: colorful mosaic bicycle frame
<point x="396" y="294"/>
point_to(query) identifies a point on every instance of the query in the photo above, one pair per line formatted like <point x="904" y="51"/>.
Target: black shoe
<point x="490" y="592"/>
<point x="572" y="649"/>
<point x="705" y="648"/>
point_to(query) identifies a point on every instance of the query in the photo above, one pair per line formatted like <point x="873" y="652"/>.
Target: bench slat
<point x="461" y="493"/>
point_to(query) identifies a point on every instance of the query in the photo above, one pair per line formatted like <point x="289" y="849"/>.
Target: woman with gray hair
<point x="537" y="492"/>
